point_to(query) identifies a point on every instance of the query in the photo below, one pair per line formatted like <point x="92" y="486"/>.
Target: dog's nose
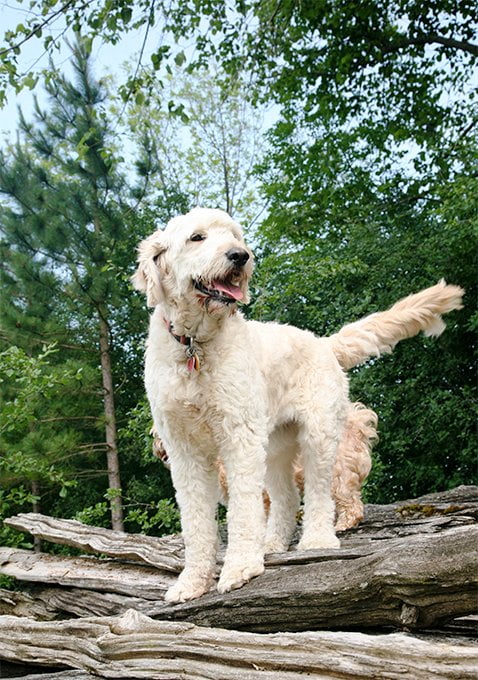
<point x="237" y="255"/>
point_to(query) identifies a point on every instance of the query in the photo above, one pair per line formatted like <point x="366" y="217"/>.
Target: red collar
<point x="191" y="352"/>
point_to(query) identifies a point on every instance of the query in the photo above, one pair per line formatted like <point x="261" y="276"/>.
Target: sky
<point x="108" y="59"/>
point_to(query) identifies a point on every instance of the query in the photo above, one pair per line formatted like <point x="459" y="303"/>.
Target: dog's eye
<point x="198" y="237"/>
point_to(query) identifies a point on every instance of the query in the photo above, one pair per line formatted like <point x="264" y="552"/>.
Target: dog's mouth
<point x="225" y="291"/>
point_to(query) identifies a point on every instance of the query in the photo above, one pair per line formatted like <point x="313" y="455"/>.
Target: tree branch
<point x="40" y="26"/>
<point x="136" y="646"/>
<point x="431" y="38"/>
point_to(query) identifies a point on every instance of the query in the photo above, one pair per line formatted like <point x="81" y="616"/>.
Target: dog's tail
<point x="379" y="333"/>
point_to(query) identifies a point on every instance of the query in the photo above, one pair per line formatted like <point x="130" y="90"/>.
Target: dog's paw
<point x="347" y="520"/>
<point x="187" y="589"/>
<point x="275" y="544"/>
<point x="321" y="541"/>
<point x="235" y="576"/>
<point x="343" y="523"/>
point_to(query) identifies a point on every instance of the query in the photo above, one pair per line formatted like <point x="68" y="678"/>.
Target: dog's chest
<point x="190" y="413"/>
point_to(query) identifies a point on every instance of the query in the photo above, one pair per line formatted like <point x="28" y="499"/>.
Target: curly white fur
<point x="378" y="333"/>
<point x="264" y="391"/>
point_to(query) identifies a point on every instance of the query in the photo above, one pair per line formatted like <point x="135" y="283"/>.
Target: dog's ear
<point x="147" y="277"/>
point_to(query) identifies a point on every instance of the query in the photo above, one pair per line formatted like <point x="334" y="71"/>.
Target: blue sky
<point x="108" y="59"/>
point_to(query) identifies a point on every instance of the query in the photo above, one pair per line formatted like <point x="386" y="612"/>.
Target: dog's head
<point x="199" y="260"/>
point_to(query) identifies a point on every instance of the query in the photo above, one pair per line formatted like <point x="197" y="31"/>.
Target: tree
<point x="36" y="455"/>
<point x="206" y="143"/>
<point x="348" y="235"/>
<point x="63" y="228"/>
<point x="70" y="227"/>
<point x="331" y="59"/>
<point x="369" y="178"/>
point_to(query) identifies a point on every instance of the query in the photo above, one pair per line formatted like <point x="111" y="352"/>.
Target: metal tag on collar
<point x="192" y="357"/>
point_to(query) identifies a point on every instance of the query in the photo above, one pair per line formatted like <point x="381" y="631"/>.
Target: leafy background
<point x="342" y="135"/>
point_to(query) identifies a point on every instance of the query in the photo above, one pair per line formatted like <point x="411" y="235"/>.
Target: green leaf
<point x="180" y="58"/>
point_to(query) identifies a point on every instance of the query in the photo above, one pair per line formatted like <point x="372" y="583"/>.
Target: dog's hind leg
<point x="282" y="490"/>
<point x="197" y="491"/>
<point x="353" y="465"/>
<point x="318" y="445"/>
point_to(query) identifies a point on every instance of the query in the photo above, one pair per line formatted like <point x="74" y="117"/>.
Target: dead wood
<point x="135" y="646"/>
<point x="85" y="572"/>
<point x="14" y="670"/>
<point x="427" y="514"/>
<point x="17" y="603"/>
<point x="413" y="582"/>
<point x="409" y="565"/>
<point x="418" y="582"/>
<point x="165" y="553"/>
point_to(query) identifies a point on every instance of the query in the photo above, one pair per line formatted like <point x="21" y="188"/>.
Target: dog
<point x="352" y="466"/>
<point x="251" y="394"/>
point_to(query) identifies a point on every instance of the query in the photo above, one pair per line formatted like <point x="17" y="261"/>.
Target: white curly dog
<point x="251" y="394"/>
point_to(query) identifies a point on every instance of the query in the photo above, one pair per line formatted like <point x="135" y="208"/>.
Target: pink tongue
<point x="233" y="291"/>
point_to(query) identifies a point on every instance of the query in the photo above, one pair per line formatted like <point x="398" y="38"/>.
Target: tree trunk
<point x="114" y="482"/>
<point x="417" y="582"/>
<point x="409" y="566"/>
<point x="136" y="646"/>
<point x="37" y="546"/>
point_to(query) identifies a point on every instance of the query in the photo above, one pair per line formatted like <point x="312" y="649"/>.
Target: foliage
<point x="156" y="518"/>
<point x="67" y="240"/>
<point x="390" y="62"/>
<point x="368" y="192"/>
<point x="205" y="143"/>
<point x="149" y="489"/>
<point x="348" y="235"/>
<point x="34" y="452"/>
<point x="70" y="224"/>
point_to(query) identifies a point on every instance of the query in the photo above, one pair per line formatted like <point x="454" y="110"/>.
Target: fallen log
<point x="85" y="572"/>
<point x="135" y="646"/>
<point x="414" y="582"/>
<point x="410" y="565"/>
<point x="23" y="604"/>
<point x="136" y="547"/>
<point x="461" y="499"/>
<point x="423" y="578"/>
<point x="15" y="670"/>
<point x="427" y="514"/>
<point x="164" y="553"/>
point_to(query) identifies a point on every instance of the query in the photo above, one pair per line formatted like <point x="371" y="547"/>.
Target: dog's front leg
<point x="244" y="461"/>
<point x="196" y="485"/>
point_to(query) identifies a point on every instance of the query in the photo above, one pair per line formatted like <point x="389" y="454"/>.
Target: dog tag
<point x="193" y="363"/>
<point x="193" y="359"/>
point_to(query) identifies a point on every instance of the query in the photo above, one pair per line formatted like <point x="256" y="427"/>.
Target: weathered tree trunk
<point x="165" y="553"/>
<point x="59" y="675"/>
<point x="417" y="582"/>
<point x="36" y="493"/>
<point x="114" y="481"/>
<point x="409" y="566"/>
<point x="85" y="572"/>
<point x="135" y="646"/>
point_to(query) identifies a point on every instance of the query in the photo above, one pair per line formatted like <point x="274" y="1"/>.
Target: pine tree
<point x="65" y="210"/>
